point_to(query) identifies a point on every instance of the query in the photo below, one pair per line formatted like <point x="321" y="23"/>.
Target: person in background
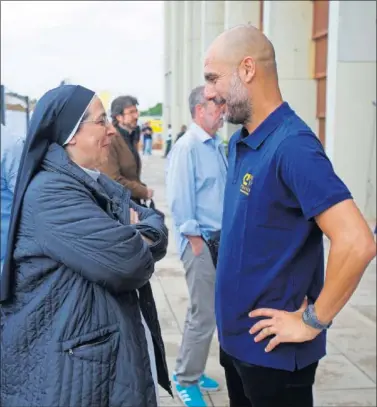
<point x="147" y="139"/>
<point x="182" y="132"/>
<point x="11" y="151"/>
<point x="169" y="139"/>
<point x="79" y="322"/>
<point x="142" y="129"/>
<point x="196" y="176"/>
<point x="124" y="164"/>
<point x="273" y="301"/>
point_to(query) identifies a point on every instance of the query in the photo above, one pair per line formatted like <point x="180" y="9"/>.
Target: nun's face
<point x="90" y="146"/>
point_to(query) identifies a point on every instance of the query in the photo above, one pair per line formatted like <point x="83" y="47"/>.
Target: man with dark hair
<point x="124" y="164"/>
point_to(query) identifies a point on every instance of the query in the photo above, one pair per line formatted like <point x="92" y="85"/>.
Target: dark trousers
<point x="256" y="386"/>
<point x="168" y="148"/>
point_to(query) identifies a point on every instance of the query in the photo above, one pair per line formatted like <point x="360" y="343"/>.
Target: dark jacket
<point x="124" y="164"/>
<point x="73" y="335"/>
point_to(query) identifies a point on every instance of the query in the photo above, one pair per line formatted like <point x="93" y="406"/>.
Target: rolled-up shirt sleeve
<point x="180" y="184"/>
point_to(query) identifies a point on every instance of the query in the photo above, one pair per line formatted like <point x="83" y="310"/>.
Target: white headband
<point x="73" y="132"/>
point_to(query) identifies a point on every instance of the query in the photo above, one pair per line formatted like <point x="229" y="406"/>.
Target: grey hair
<point x="196" y="98"/>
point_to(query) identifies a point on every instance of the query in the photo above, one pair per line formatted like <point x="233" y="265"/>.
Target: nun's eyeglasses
<point x="103" y="121"/>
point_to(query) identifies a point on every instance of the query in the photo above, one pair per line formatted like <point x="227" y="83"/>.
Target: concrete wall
<point x="288" y="25"/>
<point x="167" y="65"/>
<point x="176" y="45"/>
<point x="236" y="13"/>
<point x="351" y="115"/>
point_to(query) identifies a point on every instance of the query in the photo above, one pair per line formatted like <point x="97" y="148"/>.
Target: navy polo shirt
<point x="271" y="251"/>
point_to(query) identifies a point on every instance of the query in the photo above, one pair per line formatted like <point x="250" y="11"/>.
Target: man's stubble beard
<point x="239" y="109"/>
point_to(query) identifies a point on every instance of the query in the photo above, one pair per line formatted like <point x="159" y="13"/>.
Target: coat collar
<point x="57" y="160"/>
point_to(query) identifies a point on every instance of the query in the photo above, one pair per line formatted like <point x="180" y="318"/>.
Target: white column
<point x="288" y="25"/>
<point x="241" y="12"/>
<point x="351" y="90"/>
<point x="187" y="62"/>
<point x="236" y="13"/>
<point x="167" y="68"/>
<point x="196" y="63"/>
<point x="212" y="23"/>
<point x="176" y="42"/>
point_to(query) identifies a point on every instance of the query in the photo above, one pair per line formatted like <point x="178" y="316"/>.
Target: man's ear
<point x="119" y="118"/>
<point x="247" y="69"/>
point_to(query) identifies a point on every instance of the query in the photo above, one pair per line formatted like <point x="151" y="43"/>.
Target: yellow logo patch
<point x="246" y="183"/>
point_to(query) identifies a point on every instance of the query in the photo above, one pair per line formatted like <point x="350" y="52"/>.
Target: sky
<point x="113" y="46"/>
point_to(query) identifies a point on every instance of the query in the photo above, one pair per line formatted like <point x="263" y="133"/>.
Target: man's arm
<point x="180" y="183"/>
<point x="322" y="197"/>
<point x="352" y="248"/>
<point x="76" y="232"/>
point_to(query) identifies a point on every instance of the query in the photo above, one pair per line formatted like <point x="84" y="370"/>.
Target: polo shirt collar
<point x="202" y="135"/>
<point x="255" y="139"/>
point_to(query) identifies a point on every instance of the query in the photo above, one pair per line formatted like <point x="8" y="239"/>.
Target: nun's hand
<point x="134" y="217"/>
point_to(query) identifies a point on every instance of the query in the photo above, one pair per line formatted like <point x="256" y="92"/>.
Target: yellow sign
<point x="105" y="98"/>
<point x="156" y="125"/>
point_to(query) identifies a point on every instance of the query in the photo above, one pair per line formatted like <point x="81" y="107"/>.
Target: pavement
<point x="346" y="376"/>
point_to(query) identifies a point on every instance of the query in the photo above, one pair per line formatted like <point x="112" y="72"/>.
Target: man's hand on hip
<point x="285" y="327"/>
<point x="196" y="243"/>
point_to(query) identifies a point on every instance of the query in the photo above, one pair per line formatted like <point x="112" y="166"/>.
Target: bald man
<point x="273" y="306"/>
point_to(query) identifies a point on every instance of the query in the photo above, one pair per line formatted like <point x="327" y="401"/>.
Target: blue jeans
<point x="148" y="146"/>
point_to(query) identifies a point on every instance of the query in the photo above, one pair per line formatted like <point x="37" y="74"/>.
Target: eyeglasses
<point x="104" y="121"/>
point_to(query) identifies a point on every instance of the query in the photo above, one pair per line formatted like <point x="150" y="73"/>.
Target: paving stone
<point x="337" y="372"/>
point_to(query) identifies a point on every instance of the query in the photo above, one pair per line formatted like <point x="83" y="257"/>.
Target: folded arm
<point x="75" y="231"/>
<point x="151" y="225"/>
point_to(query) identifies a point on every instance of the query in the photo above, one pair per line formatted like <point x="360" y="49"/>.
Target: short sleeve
<point x="306" y="171"/>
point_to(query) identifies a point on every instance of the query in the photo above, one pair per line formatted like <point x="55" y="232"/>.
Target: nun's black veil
<point x="55" y="117"/>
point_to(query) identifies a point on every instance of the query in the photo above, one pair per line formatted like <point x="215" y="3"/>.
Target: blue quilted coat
<point x="72" y="336"/>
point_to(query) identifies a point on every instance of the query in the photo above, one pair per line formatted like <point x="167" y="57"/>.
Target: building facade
<point x="326" y="57"/>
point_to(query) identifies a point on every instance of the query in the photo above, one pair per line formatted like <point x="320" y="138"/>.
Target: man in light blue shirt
<point x="11" y="151"/>
<point x="196" y="177"/>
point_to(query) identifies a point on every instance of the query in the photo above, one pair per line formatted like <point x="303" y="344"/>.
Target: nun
<point x="79" y="322"/>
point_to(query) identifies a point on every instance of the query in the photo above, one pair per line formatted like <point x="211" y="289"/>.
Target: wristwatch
<point x="310" y="318"/>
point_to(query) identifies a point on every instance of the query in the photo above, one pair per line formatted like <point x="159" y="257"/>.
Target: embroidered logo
<point x="246" y="183"/>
